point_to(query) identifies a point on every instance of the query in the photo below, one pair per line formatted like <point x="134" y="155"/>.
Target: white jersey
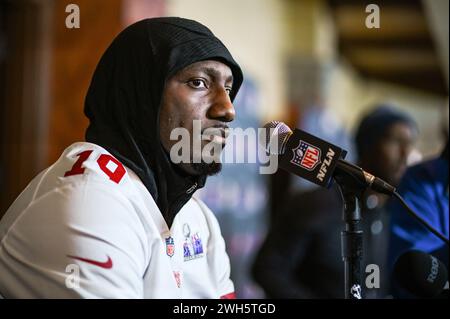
<point x="87" y="227"/>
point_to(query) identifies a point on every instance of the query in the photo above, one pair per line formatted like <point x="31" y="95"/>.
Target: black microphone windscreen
<point x="421" y="274"/>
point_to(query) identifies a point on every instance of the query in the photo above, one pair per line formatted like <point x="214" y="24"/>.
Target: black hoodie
<point x="124" y="97"/>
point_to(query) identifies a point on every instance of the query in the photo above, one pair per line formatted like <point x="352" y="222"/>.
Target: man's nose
<point x="405" y="151"/>
<point x="403" y="155"/>
<point x="222" y="108"/>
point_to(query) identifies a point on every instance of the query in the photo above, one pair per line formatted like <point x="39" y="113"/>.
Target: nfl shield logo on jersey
<point x="170" y="246"/>
<point x="306" y="156"/>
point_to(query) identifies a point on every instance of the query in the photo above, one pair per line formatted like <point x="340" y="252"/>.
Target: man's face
<point x="199" y="92"/>
<point x="390" y="155"/>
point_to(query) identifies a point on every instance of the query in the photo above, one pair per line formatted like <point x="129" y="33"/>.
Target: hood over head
<point x="124" y="99"/>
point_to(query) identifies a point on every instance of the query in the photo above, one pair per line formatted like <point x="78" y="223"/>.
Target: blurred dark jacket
<point x="301" y="255"/>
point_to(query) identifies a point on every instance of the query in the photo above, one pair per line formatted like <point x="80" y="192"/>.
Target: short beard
<point x="208" y="169"/>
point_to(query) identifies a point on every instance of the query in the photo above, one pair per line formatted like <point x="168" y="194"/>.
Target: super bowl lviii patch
<point x="193" y="246"/>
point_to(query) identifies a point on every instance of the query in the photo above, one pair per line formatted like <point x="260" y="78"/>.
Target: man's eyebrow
<point x="212" y="72"/>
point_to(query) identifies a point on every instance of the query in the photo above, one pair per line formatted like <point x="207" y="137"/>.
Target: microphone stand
<point x="352" y="236"/>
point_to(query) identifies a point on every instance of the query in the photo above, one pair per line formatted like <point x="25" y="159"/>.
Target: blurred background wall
<point x="311" y="63"/>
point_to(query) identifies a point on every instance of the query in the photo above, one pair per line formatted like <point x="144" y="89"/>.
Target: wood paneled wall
<point x="76" y="53"/>
<point x="46" y="73"/>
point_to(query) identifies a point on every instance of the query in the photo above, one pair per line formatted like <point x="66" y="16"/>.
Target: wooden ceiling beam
<point x="392" y="59"/>
<point x="431" y="81"/>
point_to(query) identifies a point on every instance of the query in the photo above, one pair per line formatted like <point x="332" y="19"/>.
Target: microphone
<point x="421" y="274"/>
<point x="316" y="160"/>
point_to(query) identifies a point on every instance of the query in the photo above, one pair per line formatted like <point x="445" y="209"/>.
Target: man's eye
<point x="197" y="83"/>
<point x="228" y="89"/>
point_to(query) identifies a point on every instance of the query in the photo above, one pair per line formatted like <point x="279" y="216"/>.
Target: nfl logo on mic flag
<point x="311" y="158"/>
<point x="306" y="156"/>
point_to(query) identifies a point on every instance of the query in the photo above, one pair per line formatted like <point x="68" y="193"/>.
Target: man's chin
<point x="208" y="169"/>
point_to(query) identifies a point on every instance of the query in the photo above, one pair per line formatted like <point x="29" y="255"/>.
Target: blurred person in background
<point x="301" y="256"/>
<point x="425" y="187"/>
<point x="115" y="217"/>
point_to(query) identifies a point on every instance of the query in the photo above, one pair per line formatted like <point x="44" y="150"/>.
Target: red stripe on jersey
<point x="231" y="295"/>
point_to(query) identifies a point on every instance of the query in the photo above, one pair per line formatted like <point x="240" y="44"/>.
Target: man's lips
<point x="216" y="135"/>
<point x="217" y="139"/>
